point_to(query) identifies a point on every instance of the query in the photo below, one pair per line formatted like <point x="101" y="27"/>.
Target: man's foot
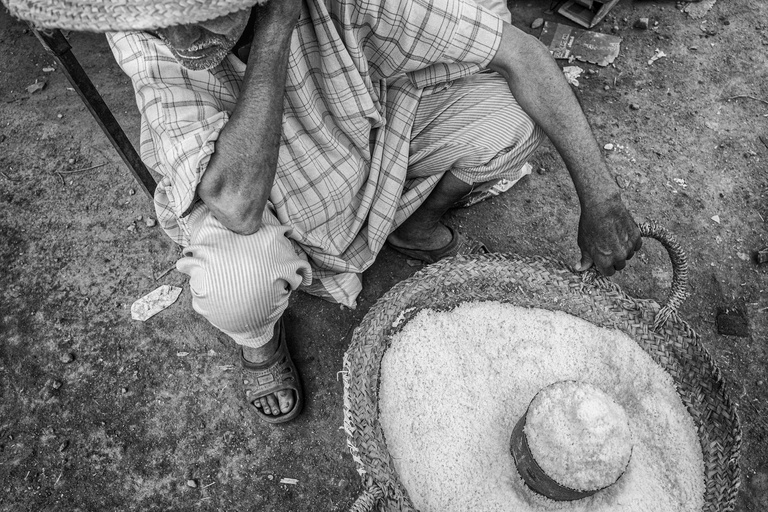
<point x="457" y="244"/>
<point x="439" y="237"/>
<point x="270" y="379"/>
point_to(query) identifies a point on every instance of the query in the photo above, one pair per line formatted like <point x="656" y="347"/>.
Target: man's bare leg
<point x="423" y="229"/>
<point x="276" y="403"/>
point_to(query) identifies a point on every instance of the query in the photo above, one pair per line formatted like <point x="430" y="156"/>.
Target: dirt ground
<point x="101" y="412"/>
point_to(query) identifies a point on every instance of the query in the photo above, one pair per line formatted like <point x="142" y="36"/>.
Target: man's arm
<point x="608" y="236"/>
<point x="240" y="173"/>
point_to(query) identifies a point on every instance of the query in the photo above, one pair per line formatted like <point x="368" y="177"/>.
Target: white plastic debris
<point x="716" y="218"/>
<point x="289" y="481"/>
<point x="657" y="55"/>
<point x="154" y="302"/>
<point x="572" y="74"/>
<point x="608" y="147"/>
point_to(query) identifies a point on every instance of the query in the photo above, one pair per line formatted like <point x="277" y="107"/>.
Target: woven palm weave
<point x="547" y="284"/>
<point x="111" y="15"/>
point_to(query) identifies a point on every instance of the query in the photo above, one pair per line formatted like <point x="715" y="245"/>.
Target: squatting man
<point x="296" y="137"/>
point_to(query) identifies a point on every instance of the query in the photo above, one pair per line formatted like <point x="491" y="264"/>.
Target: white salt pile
<point x="578" y="435"/>
<point x="454" y="384"/>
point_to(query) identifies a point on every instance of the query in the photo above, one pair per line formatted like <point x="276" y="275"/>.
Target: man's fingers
<point x="585" y="263"/>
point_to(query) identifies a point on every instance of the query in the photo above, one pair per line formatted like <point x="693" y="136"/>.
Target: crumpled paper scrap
<point x="658" y="54"/>
<point x="154" y="302"/>
<point x="572" y="73"/>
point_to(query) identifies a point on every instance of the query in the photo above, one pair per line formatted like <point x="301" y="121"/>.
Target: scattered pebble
<point x="124" y="390"/>
<point x="541" y="170"/>
<point x="150" y="222"/>
<point x="732" y="322"/>
<point x="67" y="357"/>
<point x="634" y="106"/>
<point x="743" y="256"/>
<point x="537" y="23"/>
<point x="615" y="29"/>
<point x="71" y="161"/>
<point x="59" y="116"/>
<point x="139" y="218"/>
<point x="641" y="23"/>
<point x="132" y="228"/>
<point x="621" y="182"/>
<point x="191" y="483"/>
<point x="607" y="87"/>
<point x="131" y="191"/>
<point x="56" y="384"/>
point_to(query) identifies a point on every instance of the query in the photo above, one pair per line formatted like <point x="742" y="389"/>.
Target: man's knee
<point x="241" y="284"/>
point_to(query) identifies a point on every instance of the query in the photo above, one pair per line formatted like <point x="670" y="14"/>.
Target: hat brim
<point x="110" y="16"/>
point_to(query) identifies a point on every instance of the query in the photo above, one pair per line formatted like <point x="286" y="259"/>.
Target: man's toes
<point x="286" y="400"/>
<point x="274" y="406"/>
<point x="263" y="404"/>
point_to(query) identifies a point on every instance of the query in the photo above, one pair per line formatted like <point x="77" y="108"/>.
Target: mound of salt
<point x="578" y="435"/>
<point x="454" y="384"/>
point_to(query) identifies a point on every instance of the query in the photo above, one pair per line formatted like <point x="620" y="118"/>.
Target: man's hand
<point x="608" y="236"/>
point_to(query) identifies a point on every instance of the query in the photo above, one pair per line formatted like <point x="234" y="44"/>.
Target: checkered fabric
<point x="357" y="70"/>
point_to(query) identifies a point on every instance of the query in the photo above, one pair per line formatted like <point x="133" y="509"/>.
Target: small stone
<point x="132" y="228"/>
<point x="615" y="29"/>
<point x="131" y="191"/>
<point x="56" y="384"/>
<point x="67" y="357"/>
<point x="732" y="322"/>
<point x="191" y="483"/>
<point x="634" y="106"/>
<point x="541" y="170"/>
<point x="607" y="87"/>
<point x="759" y="383"/>
<point x="621" y="182"/>
<point x="71" y="161"/>
<point x="150" y="222"/>
<point x="608" y="147"/>
<point x="537" y="23"/>
<point x="59" y="116"/>
<point x="139" y="218"/>
<point x="124" y="390"/>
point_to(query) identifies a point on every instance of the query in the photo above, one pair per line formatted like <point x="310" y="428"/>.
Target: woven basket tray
<point x="547" y="284"/>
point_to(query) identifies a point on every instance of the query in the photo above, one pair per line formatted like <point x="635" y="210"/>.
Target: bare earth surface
<point x="143" y="408"/>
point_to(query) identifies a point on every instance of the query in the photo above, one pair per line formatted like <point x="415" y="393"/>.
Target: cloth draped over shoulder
<point x="356" y="72"/>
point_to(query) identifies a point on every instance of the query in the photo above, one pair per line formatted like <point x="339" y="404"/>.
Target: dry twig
<point x="744" y="96"/>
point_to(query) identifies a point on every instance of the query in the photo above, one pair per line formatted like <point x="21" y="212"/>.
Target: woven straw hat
<point x="114" y="15"/>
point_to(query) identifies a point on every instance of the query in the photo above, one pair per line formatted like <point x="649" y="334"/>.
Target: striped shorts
<point x="241" y="284"/>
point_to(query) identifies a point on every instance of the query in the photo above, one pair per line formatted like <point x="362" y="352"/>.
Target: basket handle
<point x="679" y="290"/>
<point x="368" y="498"/>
